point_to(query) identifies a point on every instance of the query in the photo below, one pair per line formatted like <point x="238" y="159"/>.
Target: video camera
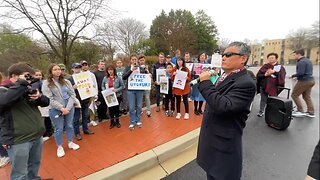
<point x="31" y="80"/>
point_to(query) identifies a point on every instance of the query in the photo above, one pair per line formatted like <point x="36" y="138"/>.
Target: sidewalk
<point x="109" y="147"/>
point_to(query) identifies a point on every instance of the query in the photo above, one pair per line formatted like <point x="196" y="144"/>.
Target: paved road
<point x="268" y="153"/>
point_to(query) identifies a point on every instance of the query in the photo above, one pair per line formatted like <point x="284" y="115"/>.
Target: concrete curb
<point x="148" y="159"/>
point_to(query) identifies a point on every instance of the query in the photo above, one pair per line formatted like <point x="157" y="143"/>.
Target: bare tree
<point x="128" y="32"/>
<point x="305" y="38"/>
<point x="105" y="38"/>
<point x="60" y="22"/>
<point x="223" y="43"/>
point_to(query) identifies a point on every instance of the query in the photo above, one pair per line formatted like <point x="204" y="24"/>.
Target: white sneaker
<point x="298" y="114"/>
<point x="131" y="127"/>
<point x="4" y="161"/>
<point x="45" y="138"/>
<point x="93" y="123"/>
<point x="178" y="116"/>
<point x="73" y="145"/>
<point x="186" y="116"/>
<point x="60" y="151"/>
<point x="149" y="113"/>
<point x="139" y="124"/>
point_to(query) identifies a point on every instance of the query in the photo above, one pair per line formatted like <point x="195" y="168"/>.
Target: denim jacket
<point x="117" y="85"/>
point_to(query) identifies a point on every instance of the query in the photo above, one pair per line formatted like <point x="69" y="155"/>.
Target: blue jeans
<point x="76" y="118"/>
<point x="147" y="99"/>
<point x="135" y="105"/>
<point x="25" y="159"/>
<point x="58" y="125"/>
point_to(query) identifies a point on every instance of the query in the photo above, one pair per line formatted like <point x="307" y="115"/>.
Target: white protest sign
<point x="180" y="79"/>
<point x="110" y="97"/>
<point x="189" y="66"/>
<point x="139" y="82"/>
<point x="164" y="85"/>
<point x="160" y="73"/>
<point x="216" y="60"/>
<point x="85" y="85"/>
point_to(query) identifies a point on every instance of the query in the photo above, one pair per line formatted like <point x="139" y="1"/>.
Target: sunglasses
<point x="229" y="54"/>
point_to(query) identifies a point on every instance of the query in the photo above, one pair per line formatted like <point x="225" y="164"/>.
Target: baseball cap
<point x="62" y="66"/>
<point x="76" y="65"/>
<point x="168" y="56"/>
<point x="83" y="62"/>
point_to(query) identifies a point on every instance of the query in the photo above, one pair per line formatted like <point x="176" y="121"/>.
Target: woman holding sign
<point x="134" y="94"/>
<point x="113" y="82"/>
<point x="178" y="92"/>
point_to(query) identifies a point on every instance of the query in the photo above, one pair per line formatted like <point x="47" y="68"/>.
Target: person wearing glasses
<point x="227" y="109"/>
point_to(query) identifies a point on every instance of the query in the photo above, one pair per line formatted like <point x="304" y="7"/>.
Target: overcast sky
<point x="235" y="19"/>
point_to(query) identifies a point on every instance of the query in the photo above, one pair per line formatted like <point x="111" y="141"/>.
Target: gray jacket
<point x="117" y="85"/>
<point x="55" y="95"/>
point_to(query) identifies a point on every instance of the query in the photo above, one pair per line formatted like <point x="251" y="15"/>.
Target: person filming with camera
<point x="21" y="123"/>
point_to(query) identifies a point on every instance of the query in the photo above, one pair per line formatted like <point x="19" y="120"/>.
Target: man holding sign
<point x="82" y="87"/>
<point x="137" y="83"/>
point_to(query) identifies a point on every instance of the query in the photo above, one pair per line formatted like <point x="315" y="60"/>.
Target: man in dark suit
<point x="227" y="109"/>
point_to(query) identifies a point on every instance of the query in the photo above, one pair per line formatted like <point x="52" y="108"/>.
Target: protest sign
<point x="160" y="73"/>
<point x="164" y="85"/>
<point x="139" y="82"/>
<point x="85" y="85"/>
<point x="180" y="79"/>
<point x="110" y="97"/>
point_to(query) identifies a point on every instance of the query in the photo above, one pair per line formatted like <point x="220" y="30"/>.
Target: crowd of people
<point x="53" y="103"/>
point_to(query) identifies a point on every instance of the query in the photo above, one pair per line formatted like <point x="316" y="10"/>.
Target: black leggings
<point x="114" y="112"/>
<point x="185" y="102"/>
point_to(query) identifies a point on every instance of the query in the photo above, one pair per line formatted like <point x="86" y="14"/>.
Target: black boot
<point x="111" y="123"/>
<point x="118" y="123"/>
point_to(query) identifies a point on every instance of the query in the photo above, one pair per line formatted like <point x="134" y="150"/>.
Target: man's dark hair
<point x="169" y="64"/>
<point x="299" y="51"/>
<point x="273" y="54"/>
<point x="141" y="56"/>
<point x="19" y="68"/>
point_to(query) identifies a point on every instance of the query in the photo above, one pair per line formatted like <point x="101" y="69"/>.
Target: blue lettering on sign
<point x="140" y="84"/>
<point x="139" y="76"/>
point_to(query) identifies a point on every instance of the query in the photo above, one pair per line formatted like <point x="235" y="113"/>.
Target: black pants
<point x="48" y="126"/>
<point x="196" y="108"/>
<point x="185" y="102"/>
<point x="167" y="99"/>
<point x="114" y="112"/>
<point x="102" y="108"/>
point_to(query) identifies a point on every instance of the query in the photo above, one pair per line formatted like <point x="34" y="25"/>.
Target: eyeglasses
<point x="229" y="54"/>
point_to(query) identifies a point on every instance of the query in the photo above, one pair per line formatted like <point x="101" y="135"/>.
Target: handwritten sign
<point x="85" y="85"/>
<point x="139" y="82"/>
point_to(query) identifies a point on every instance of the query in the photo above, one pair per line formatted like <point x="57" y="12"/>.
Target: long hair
<point x="183" y="63"/>
<point x="114" y="71"/>
<point x="50" y="76"/>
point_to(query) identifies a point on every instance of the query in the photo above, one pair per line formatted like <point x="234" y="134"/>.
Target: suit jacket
<point x="227" y="109"/>
<point x="55" y="95"/>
